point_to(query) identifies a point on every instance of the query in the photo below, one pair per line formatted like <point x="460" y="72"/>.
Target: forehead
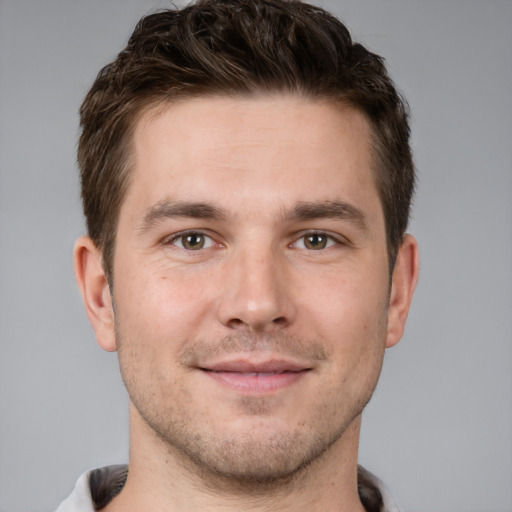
<point x="270" y="149"/>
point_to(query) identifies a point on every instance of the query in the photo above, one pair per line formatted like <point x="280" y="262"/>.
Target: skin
<point x="284" y="271"/>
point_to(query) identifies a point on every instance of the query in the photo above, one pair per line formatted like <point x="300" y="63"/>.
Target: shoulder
<point x="80" y="499"/>
<point x="373" y="493"/>
<point x="94" y="489"/>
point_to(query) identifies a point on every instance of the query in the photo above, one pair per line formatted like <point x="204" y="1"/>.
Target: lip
<point x="256" y="377"/>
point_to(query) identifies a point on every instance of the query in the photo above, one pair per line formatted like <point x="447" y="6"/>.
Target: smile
<point x="252" y="378"/>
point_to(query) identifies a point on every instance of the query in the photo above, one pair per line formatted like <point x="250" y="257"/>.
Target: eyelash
<point x="330" y="240"/>
<point x="184" y="234"/>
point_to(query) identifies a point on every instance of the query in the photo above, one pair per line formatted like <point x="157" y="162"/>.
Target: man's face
<point x="251" y="280"/>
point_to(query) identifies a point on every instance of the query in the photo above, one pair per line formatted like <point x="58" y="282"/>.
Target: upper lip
<point x="245" y="366"/>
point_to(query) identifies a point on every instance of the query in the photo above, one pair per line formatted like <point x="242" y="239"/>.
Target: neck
<point x="161" y="478"/>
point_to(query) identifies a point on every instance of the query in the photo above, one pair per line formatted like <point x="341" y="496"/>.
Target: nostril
<point x="236" y="322"/>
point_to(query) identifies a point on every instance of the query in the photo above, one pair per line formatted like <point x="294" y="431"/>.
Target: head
<point x="246" y="181"/>
<point x="237" y="49"/>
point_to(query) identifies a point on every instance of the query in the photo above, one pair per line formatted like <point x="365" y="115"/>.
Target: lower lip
<point x="257" y="382"/>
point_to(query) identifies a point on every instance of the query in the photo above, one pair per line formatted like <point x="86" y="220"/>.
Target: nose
<point x="256" y="294"/>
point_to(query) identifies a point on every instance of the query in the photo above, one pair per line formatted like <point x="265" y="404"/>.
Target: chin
<point x="263" y="457"/>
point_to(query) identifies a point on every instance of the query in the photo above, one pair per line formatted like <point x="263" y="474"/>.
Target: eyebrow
<point x="303" y="210"/>
<point x="328" y="209"/>
<point x="174" y="209"/>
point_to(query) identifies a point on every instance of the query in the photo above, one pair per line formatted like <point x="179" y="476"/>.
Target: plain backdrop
<point x="439" y="428"/>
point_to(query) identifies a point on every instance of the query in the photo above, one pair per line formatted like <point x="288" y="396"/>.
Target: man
<point x="246" y="180"/>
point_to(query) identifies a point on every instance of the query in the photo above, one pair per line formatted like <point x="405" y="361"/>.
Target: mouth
<point x="256" y="378"/>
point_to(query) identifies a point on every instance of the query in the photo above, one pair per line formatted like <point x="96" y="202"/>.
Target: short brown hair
<point x="237" y="47"/>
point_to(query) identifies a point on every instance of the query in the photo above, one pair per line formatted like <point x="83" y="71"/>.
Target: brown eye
<point x="315" y="241"/>
<point x="193" y="241"/>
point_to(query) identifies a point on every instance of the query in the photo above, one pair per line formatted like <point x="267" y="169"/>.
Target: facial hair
<point x="266" y="456"/>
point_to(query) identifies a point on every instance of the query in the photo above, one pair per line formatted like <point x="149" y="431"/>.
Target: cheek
<point x="157" y="306"/>
<point x="351" y="316"/>
<point x="154" y="317"/>
<point x="348" y="299"/>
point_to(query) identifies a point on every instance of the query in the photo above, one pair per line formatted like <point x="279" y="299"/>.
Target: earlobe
<point x="94" y="287"/>
<point x="405" y="278"/>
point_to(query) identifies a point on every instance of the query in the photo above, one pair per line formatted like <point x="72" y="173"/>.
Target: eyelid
<point x="338" y="239"/>
<point x="171" y="239"/>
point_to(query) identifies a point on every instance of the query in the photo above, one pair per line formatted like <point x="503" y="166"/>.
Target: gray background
<point x="439" y="429"/>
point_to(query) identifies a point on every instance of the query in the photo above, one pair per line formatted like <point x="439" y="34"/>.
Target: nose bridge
<point x="254" y="294"/>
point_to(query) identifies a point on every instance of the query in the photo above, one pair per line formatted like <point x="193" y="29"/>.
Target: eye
<point x="315" y="242"/>
<point x="192" y="241"/>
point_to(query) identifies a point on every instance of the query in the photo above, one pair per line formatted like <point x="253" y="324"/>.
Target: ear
<point x="95" y="291"/>
<point x="404" y="279"/>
